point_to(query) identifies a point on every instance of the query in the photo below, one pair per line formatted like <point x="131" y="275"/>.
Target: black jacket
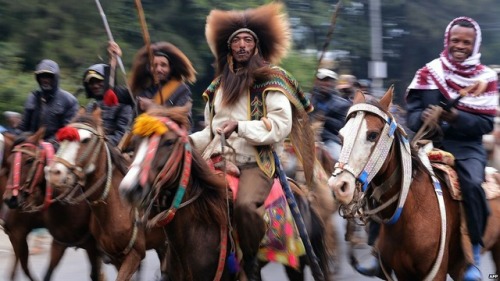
<point x="333" y="108"/>
<point x="53" y="109"/>
<point x="463" y="138"/>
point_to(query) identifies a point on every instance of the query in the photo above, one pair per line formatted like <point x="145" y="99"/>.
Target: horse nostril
<point x="11" y="202"/>
<point x="343" y="187"/>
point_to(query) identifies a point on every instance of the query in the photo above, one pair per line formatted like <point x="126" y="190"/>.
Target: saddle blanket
<point x="444" y="161"/>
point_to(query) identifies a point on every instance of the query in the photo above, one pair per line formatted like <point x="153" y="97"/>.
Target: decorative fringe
<point x="302" y="137"/>
<point x="146" y="125"/>
<point x="110" y="98"/>
<point x="67" y="133"/>
<point x="232" y="263"/>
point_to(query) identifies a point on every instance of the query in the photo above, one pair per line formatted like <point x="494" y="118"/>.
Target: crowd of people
<point x="255" y="104"/>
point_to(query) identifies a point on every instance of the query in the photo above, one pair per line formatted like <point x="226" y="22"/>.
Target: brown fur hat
<point x="268" y="22"/>
<point x="180" y="66"/>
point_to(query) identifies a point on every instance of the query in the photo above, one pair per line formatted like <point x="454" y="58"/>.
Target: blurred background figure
<point x="347" y="85"/>
<point x="365" y="85"/>
<point x="330" y="107"/>
<point x="13" y="119"/>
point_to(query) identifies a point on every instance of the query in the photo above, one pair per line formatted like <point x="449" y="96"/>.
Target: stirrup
<point x="472" y="273"/>
<point x="372" y="269"/>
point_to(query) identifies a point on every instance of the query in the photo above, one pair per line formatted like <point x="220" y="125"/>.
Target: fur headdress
<point x="180" y="66"/>
<point x="268" y="23"/>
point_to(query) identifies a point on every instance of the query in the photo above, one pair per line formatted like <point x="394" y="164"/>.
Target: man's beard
<point x="238" y="82"/>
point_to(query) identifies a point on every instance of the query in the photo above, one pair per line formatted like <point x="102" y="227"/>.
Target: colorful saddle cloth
<point x="282" y="241"/>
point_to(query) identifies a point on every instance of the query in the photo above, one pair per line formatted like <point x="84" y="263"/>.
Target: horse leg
<point x="129" y="265"/>
<point x="56" y="253"/>
<point x="20" y="246"/>
<point x="296" y="274"/>
<point x="95" y="260"/>
<point x="162" y="256"/>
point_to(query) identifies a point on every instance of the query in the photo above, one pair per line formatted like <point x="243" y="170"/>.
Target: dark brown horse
<point x="86" y="162"/>
<point x="195" y="200"/>
<point x="420" y="237"/>
<point x="16" y="223"/>
<point x="26" y="186"/>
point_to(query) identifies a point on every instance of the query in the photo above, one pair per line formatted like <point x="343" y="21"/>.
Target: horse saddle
<point x="443" y="163"/>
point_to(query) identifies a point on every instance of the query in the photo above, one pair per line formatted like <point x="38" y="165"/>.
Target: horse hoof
<point x="472" y="273"/>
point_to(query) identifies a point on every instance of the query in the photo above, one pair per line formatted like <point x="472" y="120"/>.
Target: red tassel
<point x="110" y="98"/>
<point x="67" y="133"/>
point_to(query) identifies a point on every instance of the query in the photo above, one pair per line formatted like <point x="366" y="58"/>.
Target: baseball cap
<point x="93" y="74"/>
<point x="326" y="73"/>
<point x="346" y="81"/>
<point x="11" y="114"/>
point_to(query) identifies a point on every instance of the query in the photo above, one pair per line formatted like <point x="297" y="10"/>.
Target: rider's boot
<point x="372" y="265"/>
<point x="472" y="272"/>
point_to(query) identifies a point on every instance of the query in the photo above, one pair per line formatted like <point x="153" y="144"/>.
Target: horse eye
<point x="30" y="160"/>
<point x="372" y="136"/>
<point x="168" y="142"/>
<point x="86" y="140"/>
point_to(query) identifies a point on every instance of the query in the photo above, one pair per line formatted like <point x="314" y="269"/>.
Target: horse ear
<point x="81" y="111"/>
<point x="96" y="114"/>
<point x="38" y="135"/>
<point x="359" y="97"/>
<point x="386" y="100"/>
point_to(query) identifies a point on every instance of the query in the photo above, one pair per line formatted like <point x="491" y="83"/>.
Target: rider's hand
<point x="431" y="112"/>
<point x="114" y="49"/>
<point x="227" y="128"/>
<point x="449" y="116"/>
<point x="145" y="103"/>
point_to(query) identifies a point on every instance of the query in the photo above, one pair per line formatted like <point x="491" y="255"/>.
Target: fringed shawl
<point x="449" y="77"/>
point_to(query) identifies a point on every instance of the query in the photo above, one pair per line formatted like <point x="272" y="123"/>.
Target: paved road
<point x="74" y="265"/>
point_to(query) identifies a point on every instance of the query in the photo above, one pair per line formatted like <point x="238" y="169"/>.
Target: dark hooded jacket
<point x="333" y="108"/>
<point x="52" y="109"/>
<point x="116" y="119"/>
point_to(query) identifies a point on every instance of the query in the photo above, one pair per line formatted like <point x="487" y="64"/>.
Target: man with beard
<point x="163" y="80"/>
<point x="255" y="105"/>
<point x="49" y="107"/>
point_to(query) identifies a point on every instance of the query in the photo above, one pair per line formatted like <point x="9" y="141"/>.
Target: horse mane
<point x="178" y="114"/>
<point x="208" y="207"/>
<point x="399" y="135"/>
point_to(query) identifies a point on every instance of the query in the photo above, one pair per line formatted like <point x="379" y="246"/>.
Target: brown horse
<point x="26" y="184"/>
<point x="195" y="200"/>
<point x="16" y="223"/>
<point x="86" y="162"/>
<point x="378" y="174"/>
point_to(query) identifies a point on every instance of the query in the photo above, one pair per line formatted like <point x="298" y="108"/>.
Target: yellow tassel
<point x="145" y="125"/>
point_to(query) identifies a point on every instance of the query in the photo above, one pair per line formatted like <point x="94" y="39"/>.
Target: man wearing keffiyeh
<point x="459" y="72"/>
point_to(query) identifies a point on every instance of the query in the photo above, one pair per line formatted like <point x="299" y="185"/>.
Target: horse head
<point x="25" y="163"/>
<point x="82" y="148"/>
<point x="368" y="138"/>
<point x="162" y="147"/>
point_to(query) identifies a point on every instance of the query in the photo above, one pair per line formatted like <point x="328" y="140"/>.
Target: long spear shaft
<point x="110" y="36"/>
<point x="145" y="34"/>
<point x="330" y="32"/>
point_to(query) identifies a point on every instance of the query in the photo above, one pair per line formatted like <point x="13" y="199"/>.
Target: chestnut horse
<point x="26" y="189"/>
<point x="378" y="174"/>
<point x="86" y="162"/>
<point x="196" y="201"/>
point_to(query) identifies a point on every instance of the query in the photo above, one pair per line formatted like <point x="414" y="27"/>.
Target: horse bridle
<point x="43" y="155"/>
<point x="82" y="164"/>
<point x="377" y="158"/>
<point x="169" y="172"/>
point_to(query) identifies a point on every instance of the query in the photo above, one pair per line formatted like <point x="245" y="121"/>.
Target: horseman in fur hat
<point x="255" y="105"/>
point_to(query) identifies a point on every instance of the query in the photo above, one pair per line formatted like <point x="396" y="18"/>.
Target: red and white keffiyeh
<point x="450" y="77"/>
